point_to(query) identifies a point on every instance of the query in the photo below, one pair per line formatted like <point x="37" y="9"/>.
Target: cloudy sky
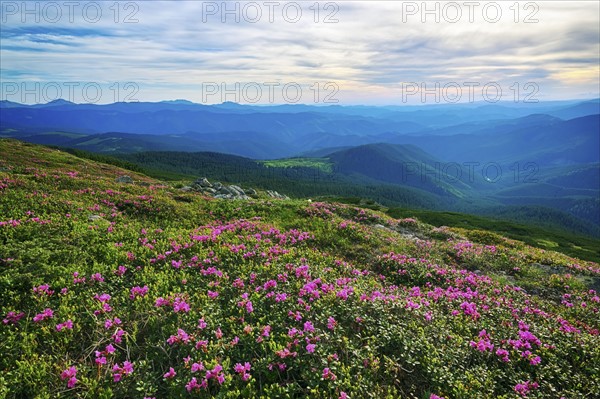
<point x="353" y="52"/>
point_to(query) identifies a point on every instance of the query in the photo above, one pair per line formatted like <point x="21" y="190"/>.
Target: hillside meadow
<point x="141" y="290"/>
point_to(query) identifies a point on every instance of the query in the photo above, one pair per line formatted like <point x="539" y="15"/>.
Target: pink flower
<point x="524" y="387"/>
<point x="197" y="367"/>
<point x="309" y="327"/>
<point x="310" y="348"/>
<point x="43" y="289"/>
<point x="13" y="318"/>
<point x="243" y="370"/>
<point x="212" y="294"/>
<point x="69" y="374"/>
<point x="344" y="395"/>
<point x="127" y="367"/>
<point x="482" y="345"/>
<point x="180" y="306"/>
<point x="535" y="361"/>
<point x="120" y="371"/>
<point x="170" y="374"/>
<point x="103" y="298"/>
<point x="280" y="297"/>
<point x="46" y="314"/>
<point x="138" y="292"/>
<point x="328" y="375"/>
<point x="331" y="323"/>
<point x="66" y="325"/>
<point x="192" y="385"/>
<point x="266" y="331"/>
<point x="503" y="354"/>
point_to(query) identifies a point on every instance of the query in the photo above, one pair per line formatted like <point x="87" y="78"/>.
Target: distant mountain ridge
<point x="266" y="132"/>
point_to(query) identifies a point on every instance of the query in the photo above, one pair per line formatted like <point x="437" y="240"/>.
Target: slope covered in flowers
<point x="140" y="290"/>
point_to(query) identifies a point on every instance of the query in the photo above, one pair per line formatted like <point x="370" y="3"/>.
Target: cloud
<point x="373" y="48"/>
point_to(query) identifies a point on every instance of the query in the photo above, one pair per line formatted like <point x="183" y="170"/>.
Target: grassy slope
<point x="393" y="307"/>
<point x="308" y="177"/>
<point x="322" y="164"/>
<point x="551" y="239"/>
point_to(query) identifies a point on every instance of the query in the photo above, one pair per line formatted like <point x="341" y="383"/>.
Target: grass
<point x="570" y="244"/>
<point x="323" y="164"/>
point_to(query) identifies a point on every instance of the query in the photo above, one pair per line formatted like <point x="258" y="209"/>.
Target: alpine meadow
<point x="291" y="199"/>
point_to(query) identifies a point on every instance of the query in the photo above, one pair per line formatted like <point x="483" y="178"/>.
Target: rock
<point x="220" y="191"/>
<point x="94" y="218"/>
<point x="236" y="190"/>
<point x="124" y="179"/>
<point x="202" y="182"/>
<point x="275" y="194"/>
<point x="381" y="227"/>
<point x="224" y="190"/>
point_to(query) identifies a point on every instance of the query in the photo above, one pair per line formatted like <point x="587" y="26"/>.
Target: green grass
<point x="323" y="164"/>
<point x="570" y="244"/>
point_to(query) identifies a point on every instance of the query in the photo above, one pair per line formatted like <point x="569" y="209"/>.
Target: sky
<point x="311" y="52"/>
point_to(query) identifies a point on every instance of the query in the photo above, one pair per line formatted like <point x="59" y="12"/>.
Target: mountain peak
<point x="178" y="101"/>
<point x="58" y="101"/>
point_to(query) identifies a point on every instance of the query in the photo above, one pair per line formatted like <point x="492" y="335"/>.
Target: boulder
<point x="202" y="182"/>
<point x="275" y="194"/>
<point x="124" y="179"/>
<point x="224" y="190"/>
<point x="236" y="190"/>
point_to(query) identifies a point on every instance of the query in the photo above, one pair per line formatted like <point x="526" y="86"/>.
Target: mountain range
<point x="464" y="156"/>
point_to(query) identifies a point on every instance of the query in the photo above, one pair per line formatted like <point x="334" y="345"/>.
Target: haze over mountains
<point x="463" y="156"/>
<point x="267" y="132"/>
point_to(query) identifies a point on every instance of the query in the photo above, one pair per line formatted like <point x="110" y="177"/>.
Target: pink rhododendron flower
<point x="66" y="325"/>
<point x="170" y="374"/>
<point x="69" y="374"/>
<point x="13" y="317"/>
<point x="46" y="314"/>
<point x="328" y="375"/>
